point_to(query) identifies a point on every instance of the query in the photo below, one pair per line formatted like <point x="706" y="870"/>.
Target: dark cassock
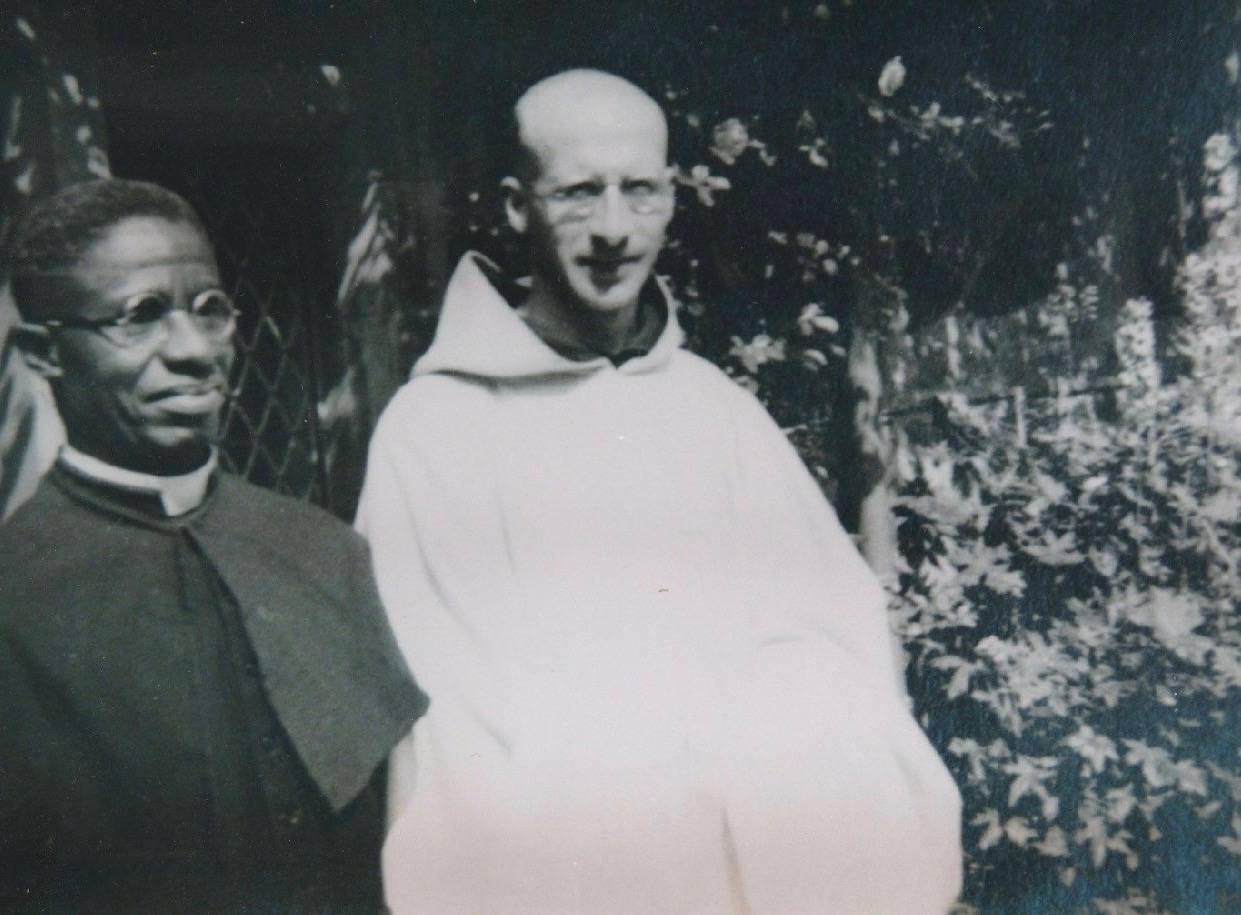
<point x="198" y="690"/>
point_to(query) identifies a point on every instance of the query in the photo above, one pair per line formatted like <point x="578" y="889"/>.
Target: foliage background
<point x="1066" y="574"/>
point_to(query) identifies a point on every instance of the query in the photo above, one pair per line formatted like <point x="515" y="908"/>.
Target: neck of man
<point x="568" y="328"/>
<point x="170" y="462"/>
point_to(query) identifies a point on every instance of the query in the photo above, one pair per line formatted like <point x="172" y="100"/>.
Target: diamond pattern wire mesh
<point x="268" y="434"/>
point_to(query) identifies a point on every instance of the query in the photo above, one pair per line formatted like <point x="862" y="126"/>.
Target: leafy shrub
<point x="1069" y="596"/>
<point x="1072" y="607"/>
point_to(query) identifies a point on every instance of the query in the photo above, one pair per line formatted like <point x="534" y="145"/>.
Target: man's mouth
<point x="606" y="271"/>
<point x="190" y="399"/>
<point x="608" y="263"/>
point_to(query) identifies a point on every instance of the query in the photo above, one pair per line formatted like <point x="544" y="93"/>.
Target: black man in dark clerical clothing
<point x="198" y="687"/>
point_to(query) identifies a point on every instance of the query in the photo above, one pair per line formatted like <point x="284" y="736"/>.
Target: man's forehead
<point x="590" y="108"/>
<point x="144" y="241"/>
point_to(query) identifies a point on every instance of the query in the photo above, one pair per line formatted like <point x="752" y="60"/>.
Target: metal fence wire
<point x="269" y="431"/>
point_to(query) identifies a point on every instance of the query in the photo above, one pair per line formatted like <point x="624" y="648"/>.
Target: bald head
<point x="576" y="104"/>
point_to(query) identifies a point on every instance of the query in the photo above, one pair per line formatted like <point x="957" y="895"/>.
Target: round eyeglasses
<point x="578" y="201"/>
<point x="144" y="318"/>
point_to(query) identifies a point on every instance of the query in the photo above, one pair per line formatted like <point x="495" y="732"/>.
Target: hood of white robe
<point x="480" y="335"/>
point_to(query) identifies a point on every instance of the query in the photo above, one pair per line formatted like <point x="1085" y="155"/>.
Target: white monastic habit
<point x="661" y="674"/>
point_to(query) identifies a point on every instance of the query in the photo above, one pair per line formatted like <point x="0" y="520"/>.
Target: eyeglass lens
<point x="580" y="200"/>
<point x="145" y="316"/>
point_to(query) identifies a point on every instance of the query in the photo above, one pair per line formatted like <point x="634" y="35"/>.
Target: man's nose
<point x="185" y="341"/>
<point x="613" y="220"/>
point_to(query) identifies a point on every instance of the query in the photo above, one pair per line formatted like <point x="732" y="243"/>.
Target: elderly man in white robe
<point x="661" y="675"/>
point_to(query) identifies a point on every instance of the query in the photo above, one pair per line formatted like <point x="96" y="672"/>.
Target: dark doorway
<point x="237" y="117"/>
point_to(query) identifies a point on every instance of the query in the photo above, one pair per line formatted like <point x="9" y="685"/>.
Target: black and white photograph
<point x="620" y="457"/>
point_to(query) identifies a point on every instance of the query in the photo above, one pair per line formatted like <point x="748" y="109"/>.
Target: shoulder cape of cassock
<point x="302" y="583"/>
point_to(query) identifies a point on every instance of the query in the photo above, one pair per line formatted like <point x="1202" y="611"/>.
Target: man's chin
<point x="176" y="450"/>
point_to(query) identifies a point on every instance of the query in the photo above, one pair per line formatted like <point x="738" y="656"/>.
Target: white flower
<point x="760" y="350"/>
<point x="72" y="87"/>
<point x="813" y="359"/>
<point x="815" y="153"/>
<point x="1218" y="152"/>
<point x="729" y="140"/>
<point x="704" y="183"/>
<point x="812" y="319"/>
<point x="892" y="77"/>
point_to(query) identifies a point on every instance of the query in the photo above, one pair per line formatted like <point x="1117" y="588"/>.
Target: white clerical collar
<point x="178" y="494"/>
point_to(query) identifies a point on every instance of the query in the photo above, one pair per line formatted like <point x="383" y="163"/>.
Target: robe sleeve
<point x="808" y="578"/>
<point x="822" y="756"/>
<point x="434" y="549"/>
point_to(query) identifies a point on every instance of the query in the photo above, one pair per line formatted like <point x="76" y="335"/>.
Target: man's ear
<point x="516" y="205"/>
<point x="39" y="349"/>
